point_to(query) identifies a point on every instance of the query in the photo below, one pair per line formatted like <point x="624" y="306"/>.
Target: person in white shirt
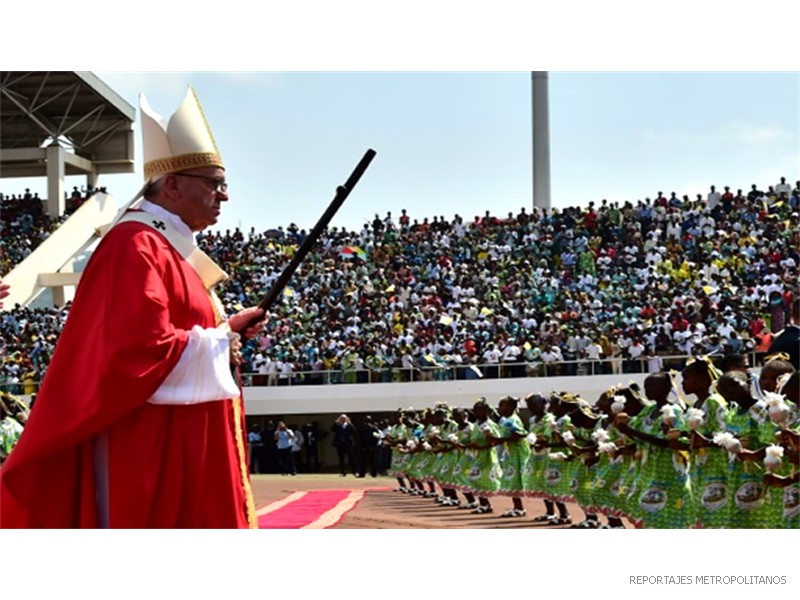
<point x="713" y="198"/>
<point x="654" y="362"/>
<point x="286" y="369"/>
<point x="407" y="364"/>
<point x="491" y="357"/>
<point x="271" y="368"/>
<point x="511" y="356"/>
<point x="615" y="355"/>
<point x="783" y="187"/>
<point x="284" y="440"/>
<point x="624" y="342"/>
<point x="674" y="230"/>
<point x="255" y="446"/>
<point x="724" y="330"/>
<point x="593" y="352"/>
<point x="679" y="338"/>
<point x="635" y="352"/>
<point x="260" y="367"/>
<point x="549" y="357"/>
<point x="297" y="446"/>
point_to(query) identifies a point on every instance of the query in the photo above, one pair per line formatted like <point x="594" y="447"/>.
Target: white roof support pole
<point x="56" y="173"/>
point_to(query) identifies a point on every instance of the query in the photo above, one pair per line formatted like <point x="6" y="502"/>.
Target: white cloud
<point x="754" y="133"/>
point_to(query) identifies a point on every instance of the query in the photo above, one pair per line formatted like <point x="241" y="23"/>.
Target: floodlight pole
<point x="541" y="139"/>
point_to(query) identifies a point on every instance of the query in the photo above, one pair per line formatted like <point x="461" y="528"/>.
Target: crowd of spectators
<point x="404" y="296"/>
<point x="607" y="288"/>
<point x="23" y="226"/>
<point x="27" y="339"/>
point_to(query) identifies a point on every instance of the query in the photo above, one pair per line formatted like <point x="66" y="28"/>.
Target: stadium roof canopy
<point x="74" y="109"/>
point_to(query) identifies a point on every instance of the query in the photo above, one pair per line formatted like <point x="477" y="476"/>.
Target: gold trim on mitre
<point x="183" y="142"/>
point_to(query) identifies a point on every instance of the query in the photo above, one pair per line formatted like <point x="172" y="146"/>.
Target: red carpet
<point x="309" y="510"/>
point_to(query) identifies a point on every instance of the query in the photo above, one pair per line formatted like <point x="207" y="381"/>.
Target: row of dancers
<point x="727" y="460"/>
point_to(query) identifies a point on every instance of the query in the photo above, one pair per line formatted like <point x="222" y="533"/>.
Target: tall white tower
<point x="541" y="139"/>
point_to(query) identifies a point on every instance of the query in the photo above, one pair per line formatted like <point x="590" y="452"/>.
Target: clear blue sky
<point x="460" y="142"/>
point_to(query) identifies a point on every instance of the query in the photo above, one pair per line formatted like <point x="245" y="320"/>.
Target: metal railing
<point x="566" y="368"/>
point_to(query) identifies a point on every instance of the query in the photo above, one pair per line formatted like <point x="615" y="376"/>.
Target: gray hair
<point x="154" y="189"/>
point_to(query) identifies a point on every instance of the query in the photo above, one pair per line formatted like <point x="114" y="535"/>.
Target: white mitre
<point x="182" y="142"/>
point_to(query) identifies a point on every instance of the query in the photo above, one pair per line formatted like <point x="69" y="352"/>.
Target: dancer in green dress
<point x="567" y="429"/>
<point x="708" y="470"/>
<point x="634" y="405"/>
<point x="395" y="438"/>
<point x="788" y="485"/>
<point x="413" y="449"/>
<point x="556" y="477"/>
<point x="664" y="497"/>
<point x="514" y="454"/>
<point x="584" y="448"/>
<point x="484" y="477"/>
<point x="443" y="450"/>
<point x="426" y="458"/>
<point x="614" y="456"/>
<point x="540" y="432"/>
<point x="783" y="479"/>
<point x="465" y="457"/>
<point x="754" y="505"/>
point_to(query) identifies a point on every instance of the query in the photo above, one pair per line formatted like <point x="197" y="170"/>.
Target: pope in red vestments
<point x="165" y="465"/>
<point x="132" y="427"/>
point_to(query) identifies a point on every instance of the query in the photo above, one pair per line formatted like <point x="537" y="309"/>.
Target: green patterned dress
<point x="465" y="459"/>
<point x="664" y="497"/>
<point x="558" y="474"/>
<point x="604" y="472"/>
<point x="445" y="461"/>
<point x="484" y="476"/>
<point x="709" y="470"/>
<point x="399" y="464"/>
<point x="425" y="464"/>
<point x="415" y="458"/>
<point x="754" y="505"/>
<point x="584" y="475"/>
<point x="538" y="462"/>
<point x="791" y="496"/>
<point x="626" y="489"/>
<point x="514" y="457"/>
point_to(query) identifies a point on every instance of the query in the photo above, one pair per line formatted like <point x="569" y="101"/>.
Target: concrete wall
<point x="387" y="397"/>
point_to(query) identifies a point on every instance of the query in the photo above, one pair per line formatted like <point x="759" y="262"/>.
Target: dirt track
<point x="385" y="509"/>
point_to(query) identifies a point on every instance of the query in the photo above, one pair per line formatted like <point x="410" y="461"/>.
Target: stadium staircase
<point x="52" y="263"/>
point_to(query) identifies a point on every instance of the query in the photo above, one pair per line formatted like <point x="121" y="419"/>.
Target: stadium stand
<point x="610" y="288"/>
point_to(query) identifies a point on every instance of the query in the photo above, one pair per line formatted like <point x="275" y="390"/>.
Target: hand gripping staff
<point x="341" y="195"/>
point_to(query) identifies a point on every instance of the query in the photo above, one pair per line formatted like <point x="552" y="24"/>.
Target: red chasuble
<point x="93" y="441"/>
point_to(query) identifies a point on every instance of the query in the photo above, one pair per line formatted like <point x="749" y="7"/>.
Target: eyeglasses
<point x="220" y="185"/>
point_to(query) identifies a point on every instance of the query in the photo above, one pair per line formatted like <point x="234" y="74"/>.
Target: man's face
<point x="196" y="199"/>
